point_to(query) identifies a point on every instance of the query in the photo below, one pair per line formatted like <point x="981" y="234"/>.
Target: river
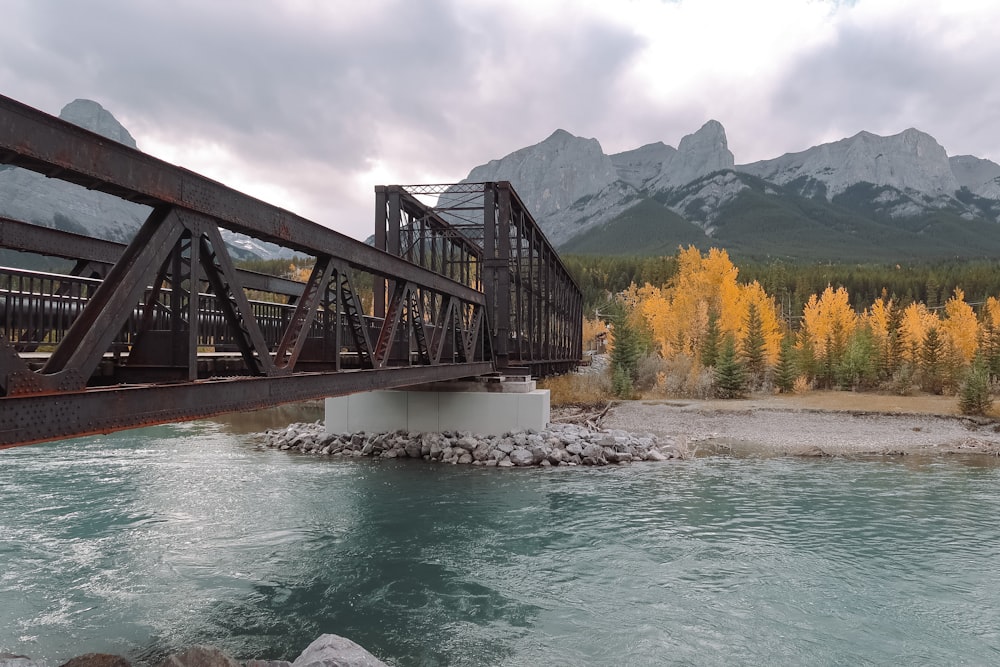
<point x="151" y="540"/>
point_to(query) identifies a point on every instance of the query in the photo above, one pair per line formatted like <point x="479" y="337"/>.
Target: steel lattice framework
<point x="165" y="329"/>
<point x="483" y="235"/>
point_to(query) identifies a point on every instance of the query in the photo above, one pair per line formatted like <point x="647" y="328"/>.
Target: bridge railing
<point x="37" y="310"/>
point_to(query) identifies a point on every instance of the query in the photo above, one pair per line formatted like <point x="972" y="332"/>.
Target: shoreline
<point x="815" y="424"/>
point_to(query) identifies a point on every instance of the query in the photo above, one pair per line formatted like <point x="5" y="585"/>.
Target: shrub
<point x="675" y="375"/>
<point x="700" y="383"/>
<point x="589" y="390"/>
<point x="648" y="371"/>
<point x="858" y="367"/>
<point x="902" y="383"/>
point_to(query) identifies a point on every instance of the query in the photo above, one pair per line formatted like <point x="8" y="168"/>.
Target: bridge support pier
<point x="486" y="408"/>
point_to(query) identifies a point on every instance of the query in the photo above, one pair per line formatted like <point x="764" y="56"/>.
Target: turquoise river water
<point x="152" y="540"/>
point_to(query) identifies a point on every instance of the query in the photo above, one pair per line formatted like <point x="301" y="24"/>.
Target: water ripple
<point x="144" y="542"/>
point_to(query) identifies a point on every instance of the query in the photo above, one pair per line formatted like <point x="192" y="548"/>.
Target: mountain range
<point x="863" y="198"/>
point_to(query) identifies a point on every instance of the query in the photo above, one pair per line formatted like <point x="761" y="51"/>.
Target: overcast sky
<point x="308" y="104"/>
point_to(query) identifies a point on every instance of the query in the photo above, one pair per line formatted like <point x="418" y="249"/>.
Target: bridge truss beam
<point x="533" y="305"/>
<point x="172" y="299"/>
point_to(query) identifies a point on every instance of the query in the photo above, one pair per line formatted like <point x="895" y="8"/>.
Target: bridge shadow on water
<point x="388" y="554"/>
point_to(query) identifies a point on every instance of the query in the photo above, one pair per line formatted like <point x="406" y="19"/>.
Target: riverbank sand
<point x="813" y="424"/>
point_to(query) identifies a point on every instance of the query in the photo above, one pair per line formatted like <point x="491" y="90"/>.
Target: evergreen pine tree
<point x="933" y="289"/>
<point x="892" y="355"/>
<point x="710" y="343"/>
<point x="730" y="379"/>
<point x="625" y="353"/>
<point x="836" y="347"/>
<point x="989" y="343"/>
<point x="827" y="370"/>
<point x="858" y="367"/>
<point x="752" y="347"/>
<point x="974" y="397"/>
<point x="784" y="370"/>
<point x="807" y="357"/>
<point x="932" y="362"/>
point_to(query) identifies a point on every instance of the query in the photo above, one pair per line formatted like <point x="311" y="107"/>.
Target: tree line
<point x="791" y="284"/>
<point x="707" y="328"/>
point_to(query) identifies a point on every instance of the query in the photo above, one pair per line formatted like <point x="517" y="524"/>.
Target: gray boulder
<point x="97" y="660"/>
<point x="336" y="651"/>
<point x="468" y="443"/>
<point x="539" y="453"/>
<point x="199" y="656"/>
<point x="593" y="451"/>
<point x="522" y="457"/>
<point x="14" y="660"/>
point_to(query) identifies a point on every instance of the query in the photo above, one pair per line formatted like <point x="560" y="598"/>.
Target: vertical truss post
<point x="381" y="240"/>
<point x="496" y="268"/>
<point x="193" y="308"/>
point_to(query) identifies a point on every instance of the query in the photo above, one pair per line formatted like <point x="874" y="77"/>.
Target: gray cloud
<point x="886" y="81"/>
<point x="308" y="97"/>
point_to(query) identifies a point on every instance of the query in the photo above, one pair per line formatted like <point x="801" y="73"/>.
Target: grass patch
<point x="573" y="389"/>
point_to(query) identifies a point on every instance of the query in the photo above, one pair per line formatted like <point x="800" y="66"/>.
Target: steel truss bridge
<point x="168" y="329"/>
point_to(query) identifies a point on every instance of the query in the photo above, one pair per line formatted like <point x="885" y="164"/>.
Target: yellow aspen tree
<point x="679" y="313"/>
<point x="917" y="320"/>
<point x="989" y="335"/>
<point x="828" y="319"/>
<point x="704" y="287"/>
<point x="992" y="306"/>
<point x="654" y="308"/>
<point x="595" y="332"/>
<point x="960" y="327"/>
<point x="710" y="286"/>
<point x="299" y="273"/>
<point x="877" y="319"/>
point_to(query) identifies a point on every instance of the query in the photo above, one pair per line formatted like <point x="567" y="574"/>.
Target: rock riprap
<point x="327" y="650"/>
<point x="559" y="444"/>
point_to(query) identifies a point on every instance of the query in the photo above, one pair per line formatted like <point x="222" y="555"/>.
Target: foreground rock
<point x="558" y="445"/>
<point x="326" y="651"/>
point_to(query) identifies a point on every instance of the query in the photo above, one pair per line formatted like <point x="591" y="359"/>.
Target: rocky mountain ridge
<point x="573" y="187"/>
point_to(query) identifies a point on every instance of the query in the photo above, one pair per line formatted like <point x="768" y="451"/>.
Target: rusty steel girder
<point x="29" y="419"/>
<point x="534" y="306"/>
<point x="99" y="255"/>
<point x="165" y="329"/>
<point x="37" y="141"/>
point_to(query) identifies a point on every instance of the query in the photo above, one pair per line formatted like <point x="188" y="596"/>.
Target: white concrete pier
<point x="487" y="408"/>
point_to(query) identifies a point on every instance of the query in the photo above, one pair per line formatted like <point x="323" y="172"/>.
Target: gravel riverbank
<point x="851" y="424"/>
